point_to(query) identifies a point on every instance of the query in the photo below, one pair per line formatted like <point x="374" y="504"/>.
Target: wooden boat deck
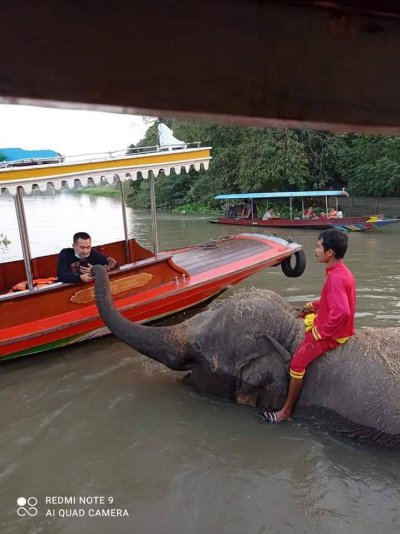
<point x="223" y="253"/>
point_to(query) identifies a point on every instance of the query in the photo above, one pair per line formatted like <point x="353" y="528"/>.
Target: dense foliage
<point x="372" y="165"/>
<point x="266" y="159"/>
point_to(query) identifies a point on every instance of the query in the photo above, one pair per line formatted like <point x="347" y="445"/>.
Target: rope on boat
<point x="214" y="243"/>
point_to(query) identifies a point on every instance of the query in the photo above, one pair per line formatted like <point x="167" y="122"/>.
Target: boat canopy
<point x="100" y="169"/>
<point x="19" y="154"/>
<point x="282" y="194"/>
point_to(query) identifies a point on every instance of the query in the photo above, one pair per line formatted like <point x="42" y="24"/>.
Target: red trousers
<point x="308" y="350"/>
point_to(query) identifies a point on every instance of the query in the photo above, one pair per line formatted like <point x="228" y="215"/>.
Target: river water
<point x="99" y="420"/>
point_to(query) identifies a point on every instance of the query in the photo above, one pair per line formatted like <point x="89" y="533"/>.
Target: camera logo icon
<point x="27" y="506"/>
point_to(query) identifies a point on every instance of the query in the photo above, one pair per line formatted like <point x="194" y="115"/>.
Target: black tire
<point x="299" y="267"/>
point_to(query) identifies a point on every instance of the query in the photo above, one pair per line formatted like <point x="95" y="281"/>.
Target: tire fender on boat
<point x="299" y="266"/>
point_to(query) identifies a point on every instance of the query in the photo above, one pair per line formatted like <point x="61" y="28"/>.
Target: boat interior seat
<point x="13" y="294"/>
<point x="13" y="272"/>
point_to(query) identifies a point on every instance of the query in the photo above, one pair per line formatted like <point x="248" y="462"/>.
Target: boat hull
<point x="351" y="224"/>
<point x="54" y="317"/>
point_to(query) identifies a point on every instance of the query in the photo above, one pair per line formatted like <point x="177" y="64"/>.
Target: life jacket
<point x="37" y="282"/>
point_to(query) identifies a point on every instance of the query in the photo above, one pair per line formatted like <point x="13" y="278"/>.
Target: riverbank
<point x="98" y="191"/>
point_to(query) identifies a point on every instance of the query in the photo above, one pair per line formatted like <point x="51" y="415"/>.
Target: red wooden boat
<point x="353" y="224"/>
<point x="148" y="285"/>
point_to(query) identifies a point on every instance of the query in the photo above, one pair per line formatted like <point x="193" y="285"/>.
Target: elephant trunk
<point x="167" y="345"/>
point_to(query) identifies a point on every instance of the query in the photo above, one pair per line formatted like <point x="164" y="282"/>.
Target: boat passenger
<point x="250" y="210"/>
<point x="332" y="214"/>
<point x="269" y="214"/>
<point x="247" y="212"/>
<point x="74" y="264"/>
<point x="323" y="216"/>
<point x="339" y="213"/>
<point x="329" y="321"/>
<point x="310" y="213"/>
<point x="238" y="210"/>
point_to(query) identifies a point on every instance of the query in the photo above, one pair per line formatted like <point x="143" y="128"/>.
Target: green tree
<point x="371" y="165"/>
<point x="271" y="160"/>
<point x="323" y="151"/>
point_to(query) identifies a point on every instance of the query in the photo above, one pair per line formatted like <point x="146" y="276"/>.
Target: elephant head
<point x="226" y="352"/>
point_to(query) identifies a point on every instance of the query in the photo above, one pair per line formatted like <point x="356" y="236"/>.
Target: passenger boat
<point x="148" y="285"/>
<point x="354" y="224"/>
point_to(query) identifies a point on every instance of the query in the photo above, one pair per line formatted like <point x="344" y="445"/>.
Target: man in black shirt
<point x="74" y="264"/>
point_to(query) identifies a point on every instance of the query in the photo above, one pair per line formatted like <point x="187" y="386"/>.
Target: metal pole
<point x="326" y="204"/>
<point x="291" y="208"/>
<point x="302" y="206"/>
<point x="153" y="213"/>
<point x="125" y="223"/>
<point x="23" y="232"/>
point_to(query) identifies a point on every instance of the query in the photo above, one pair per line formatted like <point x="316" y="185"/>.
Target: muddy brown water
<point x="100" y="421"/>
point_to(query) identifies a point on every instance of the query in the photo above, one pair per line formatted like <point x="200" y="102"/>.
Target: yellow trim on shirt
<point x="342" y="339"/>
<point x="316" y="335"/>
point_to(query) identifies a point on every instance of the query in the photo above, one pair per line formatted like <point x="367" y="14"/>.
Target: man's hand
<point x="86" y="270"/>
<point x="86" y="278"/>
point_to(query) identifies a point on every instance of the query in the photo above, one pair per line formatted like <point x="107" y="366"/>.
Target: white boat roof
<point x="103" y="168"/>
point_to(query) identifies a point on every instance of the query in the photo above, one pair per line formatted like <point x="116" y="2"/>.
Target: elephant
<point x="240" y="348"/>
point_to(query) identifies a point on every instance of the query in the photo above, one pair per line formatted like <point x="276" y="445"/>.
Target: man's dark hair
<point x="81" y="235"/>
<point x="335" y="240"/>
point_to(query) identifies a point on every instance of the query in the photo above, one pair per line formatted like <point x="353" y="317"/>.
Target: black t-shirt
<point x="68" y="269"/>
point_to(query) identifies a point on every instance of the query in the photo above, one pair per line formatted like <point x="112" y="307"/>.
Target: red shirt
<point x="336" y="308"/>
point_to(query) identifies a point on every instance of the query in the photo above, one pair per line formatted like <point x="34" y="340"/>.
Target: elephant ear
<point x="259" y="379"/>
<point x="263" y="380"/>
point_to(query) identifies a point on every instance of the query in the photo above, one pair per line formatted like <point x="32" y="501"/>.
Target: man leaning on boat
<point x="74" y="264"/>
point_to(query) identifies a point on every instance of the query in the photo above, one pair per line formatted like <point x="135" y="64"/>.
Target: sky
<point x="69" y="132"/>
